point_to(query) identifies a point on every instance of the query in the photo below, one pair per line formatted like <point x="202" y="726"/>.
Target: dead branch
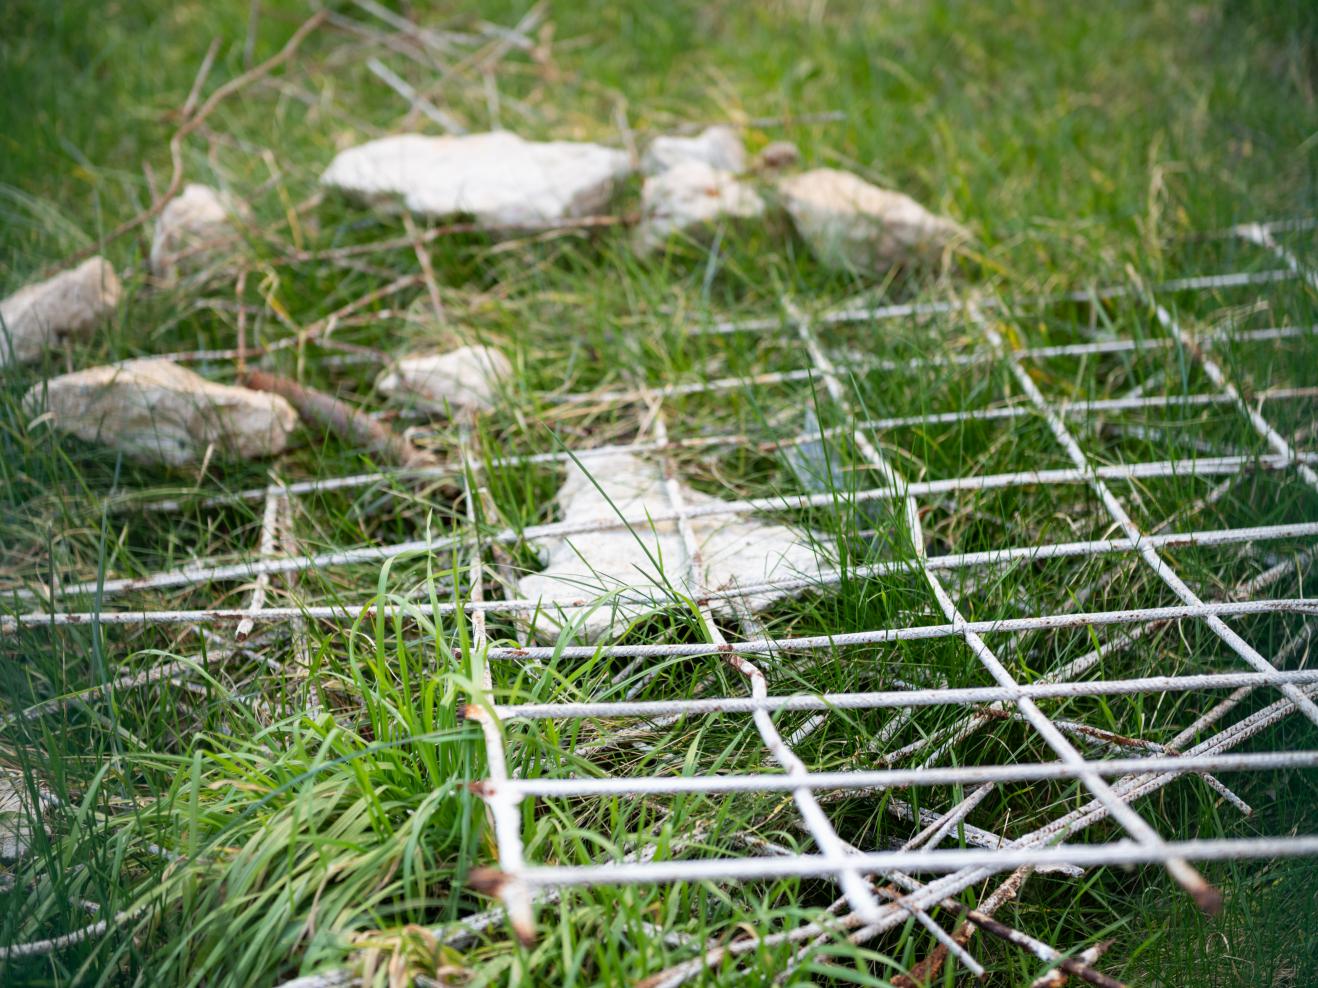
<point x="340" y="418"/>
<point x="427" y="269"/>
<point x="203" y="74"/>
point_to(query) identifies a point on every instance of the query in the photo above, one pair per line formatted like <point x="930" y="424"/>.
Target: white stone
<point x="688" y="196"/>
<point x="157" y="412"/>
<point x="583" y="568"/>
<point x="193" y="228"/>
<point x="467" y="378"/>
<point x="854" y="225"/>
<point x="718" y="146"/>
<point x="498" y="178"/>
<point x="40" y="316"/>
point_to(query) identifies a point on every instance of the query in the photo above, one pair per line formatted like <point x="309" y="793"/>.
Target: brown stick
<point x="199" y="82"/>
<point x="339" y="417"/>
<point x="186" y="128"/>
<point x="427" y="269"/>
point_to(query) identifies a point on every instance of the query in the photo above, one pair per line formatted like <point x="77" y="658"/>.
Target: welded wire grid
<point x="878" y="888"/>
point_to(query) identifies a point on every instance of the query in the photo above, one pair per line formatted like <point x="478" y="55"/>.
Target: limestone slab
<point x="497" y="178"/>
<point x="18" y="816"/>
<point x="585" y="572"/>
<point x="689" y="196"/>
<point x="40" y="316"/>
<point x="157" y="412"/>
<point x="193" y="229"/>
<point x="467" y="378"/>
<point x="718" y="146"/>
<point x="852" y="224"/>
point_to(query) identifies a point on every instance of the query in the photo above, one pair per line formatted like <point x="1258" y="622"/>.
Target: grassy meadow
<point x="298" y="803"/>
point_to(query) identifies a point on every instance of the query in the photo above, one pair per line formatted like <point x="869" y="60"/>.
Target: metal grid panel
<point x="516" y="882"/>
<point x="866" y="907"/>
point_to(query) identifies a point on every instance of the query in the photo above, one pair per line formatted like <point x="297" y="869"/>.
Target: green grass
<point x="1083" y="144"/>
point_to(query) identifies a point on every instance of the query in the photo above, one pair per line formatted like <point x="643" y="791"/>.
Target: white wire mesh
<point x="971" y="865"/>
<point x="1114" y="783"/>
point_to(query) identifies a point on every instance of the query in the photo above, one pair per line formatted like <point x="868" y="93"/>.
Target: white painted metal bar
<point x="1119" y="515"/>
<point x="906" y="310"/>
<point x="265" y="549"/>
<point x="860" y="780"/>
<point x="1078" y="409"/>
<point x="1004" y="859"/>
<point x="1045" y="622"/>
<point x="1262" y="234"/>
<point x="1139" y="829"/>
<point x="1276" y="442"/>
<point x="812" y="814"/>
<point x="506" y="816"/>
<point x="208" y="570"/>
<point x="880" y="699"/>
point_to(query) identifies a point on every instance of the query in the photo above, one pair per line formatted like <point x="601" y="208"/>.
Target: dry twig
<point x="339" y="417"/>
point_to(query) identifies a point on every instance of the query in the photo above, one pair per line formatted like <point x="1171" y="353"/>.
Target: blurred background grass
<point x="1088" y="122"/>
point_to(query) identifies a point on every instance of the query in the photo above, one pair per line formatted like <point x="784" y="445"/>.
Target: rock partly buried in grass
<point x="40" y="316"/>
<point x="465" y="379"/>
<point x="718" y="147"/>
<point x="582" y="569"/>
<point x="194" y="229"/>
<point x="157" y="412"/>
<point x="853" y="225"/>
<point x="498" y="178"/>
<point x="689" y="196"/>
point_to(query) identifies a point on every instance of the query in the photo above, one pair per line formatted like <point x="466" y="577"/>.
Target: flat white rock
<point x="718" y="146"/>
<point x="854" y="225"/>
<point x="193" y="228"/>
<point x="467" y="378"/>
<point x="585" y="567"/>
<point x="689" y="196"/>
<point x="40" y="316"/>
<point x="498" y="178"/>
<point x="157" y="412"/>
